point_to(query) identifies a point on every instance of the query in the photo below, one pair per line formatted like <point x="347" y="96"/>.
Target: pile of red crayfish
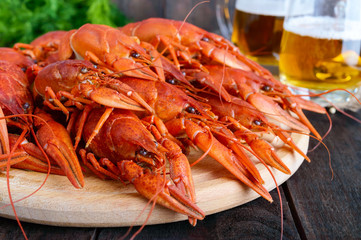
<point x="128" y="103"/>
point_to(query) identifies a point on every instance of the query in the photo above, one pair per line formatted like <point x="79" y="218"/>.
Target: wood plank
<point x="10" y="230"/>
<point x="330" y="209"/>
<point x="255" y="220"/>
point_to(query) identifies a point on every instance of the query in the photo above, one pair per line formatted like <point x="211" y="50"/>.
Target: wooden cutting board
<point x="111" y="203"/>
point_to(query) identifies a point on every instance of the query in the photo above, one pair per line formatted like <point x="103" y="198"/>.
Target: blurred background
<point x="203" y="16"/>
<point x="24" y="20"/>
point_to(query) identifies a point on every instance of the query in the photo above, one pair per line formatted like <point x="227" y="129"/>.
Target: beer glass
<point x="257" y="28"/>
<point x="320" y="47"/>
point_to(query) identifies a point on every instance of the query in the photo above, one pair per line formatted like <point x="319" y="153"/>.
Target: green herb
<point x="24" y="20"/>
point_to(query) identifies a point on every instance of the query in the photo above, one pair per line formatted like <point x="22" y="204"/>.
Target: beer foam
<point x="324" y="28"/>
<point x="262" y="7"/>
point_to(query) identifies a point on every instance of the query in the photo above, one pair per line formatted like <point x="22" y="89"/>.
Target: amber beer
<point x="320" y="59"/>
<point x="257" y="29"/>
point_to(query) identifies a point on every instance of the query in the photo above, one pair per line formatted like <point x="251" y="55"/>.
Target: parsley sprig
<point x="24" y="20"/>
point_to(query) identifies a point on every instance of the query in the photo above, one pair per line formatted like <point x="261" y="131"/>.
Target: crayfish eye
<point x="192" y="110"/>
<point x="172" y="81"/>
<point x="205" y="39"/>
<point x="23" y="69"/>
<point x="26" y="106"/>
<point x="144" y="153"/>
<point x="134" y="54"/>
<point x="257" y="122"/>
<point x="84" y="70"/>
<point x="266" y="88"/>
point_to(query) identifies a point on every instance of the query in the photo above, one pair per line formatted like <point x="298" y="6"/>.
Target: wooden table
<point x="315" y="206"/>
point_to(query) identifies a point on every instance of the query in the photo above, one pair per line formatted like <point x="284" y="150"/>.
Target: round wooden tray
<point x="111" y="203"/>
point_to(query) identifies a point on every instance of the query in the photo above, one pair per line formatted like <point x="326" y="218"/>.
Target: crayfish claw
<point x="206" y="141"/>
<point x="156" y="188"/>
<point x="67" y="160"/>
<point x="56" y="141"/>
<point x="266" y="152"/>
<point x="262" y="149"/>
<point x="27" y="156"/>
<point x="179" y="167"/>
<point x="286" y="138"/>
<point x="112" y="98"/>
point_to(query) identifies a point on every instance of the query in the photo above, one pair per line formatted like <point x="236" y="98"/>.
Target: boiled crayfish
<point x="136" y="99"/>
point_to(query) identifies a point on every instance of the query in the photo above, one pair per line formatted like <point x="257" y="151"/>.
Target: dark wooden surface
<point x="314" y="205"/>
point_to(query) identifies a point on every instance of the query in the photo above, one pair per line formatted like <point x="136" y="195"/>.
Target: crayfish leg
<point x="4" y="138"/>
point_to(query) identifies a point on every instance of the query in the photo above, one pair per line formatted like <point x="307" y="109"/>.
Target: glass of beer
<point x="257" y="28"/>
<point x="320" y="48"/>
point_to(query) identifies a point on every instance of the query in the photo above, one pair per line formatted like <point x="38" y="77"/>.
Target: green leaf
<point x="24" y="20"/>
